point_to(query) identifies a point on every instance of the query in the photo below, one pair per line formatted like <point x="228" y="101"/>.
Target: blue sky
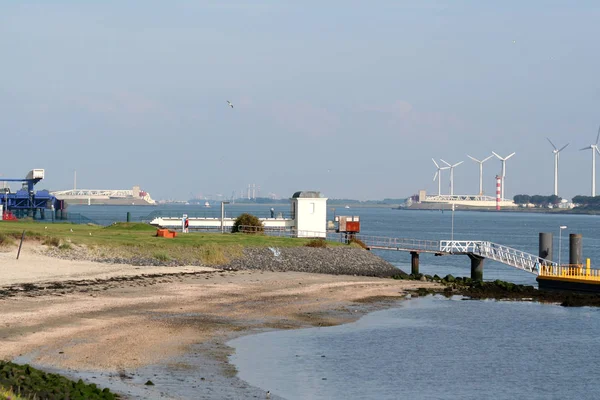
<point x="351" y="98"/>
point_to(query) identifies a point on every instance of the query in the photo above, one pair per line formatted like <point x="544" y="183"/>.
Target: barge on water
<point x="577" y="277"/>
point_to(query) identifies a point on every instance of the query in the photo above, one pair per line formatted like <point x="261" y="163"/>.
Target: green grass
<point x="32" y="383"/>
<point x="137" y="239"/>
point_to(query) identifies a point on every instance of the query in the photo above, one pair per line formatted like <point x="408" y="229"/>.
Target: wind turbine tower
<point x="451" y="174"/>
<point x="556" y="152"/>
<point x="594" y="148"/>
<point x="438" y="175"/>
<point x="480" y="171"/>
<point x="503" y="176"/>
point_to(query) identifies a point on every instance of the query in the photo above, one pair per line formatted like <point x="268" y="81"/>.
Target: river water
<point x="438" y="348"/>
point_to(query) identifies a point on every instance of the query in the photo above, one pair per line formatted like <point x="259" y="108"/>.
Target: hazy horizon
<point x="349" y="98"/>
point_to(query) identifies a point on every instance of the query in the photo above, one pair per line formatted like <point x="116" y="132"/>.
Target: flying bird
<point x="229" y="104"/>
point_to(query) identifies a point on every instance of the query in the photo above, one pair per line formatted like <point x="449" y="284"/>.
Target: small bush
<point x="357" y="242"/>
<point x="65" y="246"/>
<point x="247" y="221"/>
<point x="51" y="241"/>
<point x="322" y="243"/>
<point x="162" y="257"/>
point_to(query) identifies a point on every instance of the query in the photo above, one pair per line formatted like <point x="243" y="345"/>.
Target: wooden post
<point x="21" y="244"/>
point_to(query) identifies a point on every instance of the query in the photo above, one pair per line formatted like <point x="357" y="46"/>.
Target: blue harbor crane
<point x="26" y="202"/>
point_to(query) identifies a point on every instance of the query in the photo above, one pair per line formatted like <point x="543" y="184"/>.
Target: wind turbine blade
<point x="496" y="155"/>
<point x="435" y="176"/>
<point x="598" y="136"/>
<point x="598" y="150"/>
<point x="485" y="159"/>
<point x="457" y="164"/>
<point x="443" y="168"/>
<point x="436" y="164"/>
<point x="562" y="148"/>
<point x="448" y="164"/>
<point x="586" y="148"/>
<point x="507" y="157"/>
<point x="473" y="158"/>
<point x="552" y="144"/>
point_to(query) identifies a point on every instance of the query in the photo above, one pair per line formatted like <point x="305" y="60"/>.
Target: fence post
<point x="20" y="244"/>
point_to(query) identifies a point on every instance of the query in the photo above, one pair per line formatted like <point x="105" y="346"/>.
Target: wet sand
<point x="120" y="325"/>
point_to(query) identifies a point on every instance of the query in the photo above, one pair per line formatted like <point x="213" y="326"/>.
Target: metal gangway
<point x="497" y="252"/>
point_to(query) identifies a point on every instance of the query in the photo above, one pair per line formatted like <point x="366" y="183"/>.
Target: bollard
<point x="128" y="216"/>
<point x="414" y="262"/>
<point x="575" y="249"/>
<point x="545" y="249"/>
<point x="476" y="267"/>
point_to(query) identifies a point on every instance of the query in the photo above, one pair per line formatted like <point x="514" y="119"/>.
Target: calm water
<point x="436" y="348"/>
<point x="433" y="348"/>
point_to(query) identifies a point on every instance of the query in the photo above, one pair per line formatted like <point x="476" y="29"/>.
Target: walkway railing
<point x="571" y="271"/>
<point x="497" y="252"/>
<point x="401" y="244"/>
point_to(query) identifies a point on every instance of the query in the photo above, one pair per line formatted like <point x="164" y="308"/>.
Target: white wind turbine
<point x="503" y="169"/>
<point x="556" y="152"/>
<point x="594" y="148"/>
<point x="438" y="175"/>
<point x="480" y="171"/>
<point x="451" y="174"/>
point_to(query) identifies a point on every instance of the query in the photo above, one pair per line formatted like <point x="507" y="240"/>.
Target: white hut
<point x="309" y="211"/>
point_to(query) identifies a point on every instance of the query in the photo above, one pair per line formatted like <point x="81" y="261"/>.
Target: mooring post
<point x="545" y="249"/>
<point x="414" y="262"/>
<point x="575" y="249"/>
<point x="476" y="267"/>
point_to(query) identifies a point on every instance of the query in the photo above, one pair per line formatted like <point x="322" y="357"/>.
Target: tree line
<point x="587" y="202"/>
<point x="537" y="200"/>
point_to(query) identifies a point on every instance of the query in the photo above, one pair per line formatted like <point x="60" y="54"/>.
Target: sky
<point x="351" y="98"/>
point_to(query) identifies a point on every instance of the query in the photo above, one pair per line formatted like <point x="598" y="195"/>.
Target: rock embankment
<point x="335" y="261"/>
<point x="329" y="260"/>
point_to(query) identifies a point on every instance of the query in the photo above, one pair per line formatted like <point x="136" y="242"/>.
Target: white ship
<point x="133" y="197"/>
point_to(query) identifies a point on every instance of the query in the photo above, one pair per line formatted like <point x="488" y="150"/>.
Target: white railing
<point x="287" y="232"/>
<point x="399" y="243"/>
<point x="497" y="252"/>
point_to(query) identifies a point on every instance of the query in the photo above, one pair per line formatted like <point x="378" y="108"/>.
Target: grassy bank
<point x="137" y="240"/>
<point x="31" y="383"/>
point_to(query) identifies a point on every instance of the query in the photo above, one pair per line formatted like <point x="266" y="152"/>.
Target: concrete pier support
<point x="476" y="266"/>
<point x="546" y="250"/>
<point x="575" y="248"/>
<point x="414" y="262"/>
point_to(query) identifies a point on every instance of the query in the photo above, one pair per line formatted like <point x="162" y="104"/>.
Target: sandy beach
<point x="114" y="319"/>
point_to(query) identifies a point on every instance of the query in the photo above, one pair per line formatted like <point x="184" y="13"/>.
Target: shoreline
<point x="123" y="330"/>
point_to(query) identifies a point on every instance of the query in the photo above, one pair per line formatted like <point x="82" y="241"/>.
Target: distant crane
<point x="594" y="148"/>
<point x="556" y="152"/>
<point x="480" y="171"/>
<point x="503" y="169"/>
<point x="451" y="174"/>
<point x="438" y="175"/>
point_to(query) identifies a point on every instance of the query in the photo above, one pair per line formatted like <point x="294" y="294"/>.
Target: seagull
<point x="45" y="227"/>
<point x="268" y="394"/>
<point x="71" y="229"/>
<point x="229" y="104"/>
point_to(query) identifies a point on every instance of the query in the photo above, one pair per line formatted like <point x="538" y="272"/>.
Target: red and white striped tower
<point x="498" y="191"/>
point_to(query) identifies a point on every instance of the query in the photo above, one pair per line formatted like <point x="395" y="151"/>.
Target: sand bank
<point x="115" y="327"/>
